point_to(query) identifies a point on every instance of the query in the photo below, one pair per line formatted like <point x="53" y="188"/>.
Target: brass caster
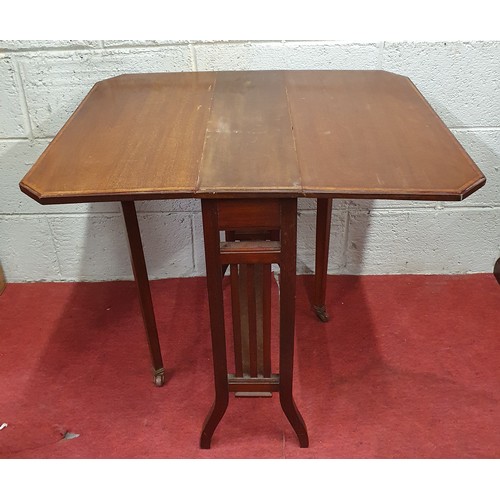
<point x="321" y="313"/>
<point x="159" y="379"/>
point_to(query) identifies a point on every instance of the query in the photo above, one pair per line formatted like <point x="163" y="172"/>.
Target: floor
<point x="407" y="367"/>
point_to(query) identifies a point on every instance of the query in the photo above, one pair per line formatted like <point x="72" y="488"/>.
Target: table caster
<point x="159" y="378"/>
<point x="321" y="313"/>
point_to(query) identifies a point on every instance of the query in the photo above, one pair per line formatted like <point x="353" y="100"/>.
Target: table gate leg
<point x="323" y="221"/>
<point x="287" y="317"/>
<point x="142" y="281"/>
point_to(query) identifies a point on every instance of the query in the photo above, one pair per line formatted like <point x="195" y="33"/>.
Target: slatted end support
<point x="251" y="282"/>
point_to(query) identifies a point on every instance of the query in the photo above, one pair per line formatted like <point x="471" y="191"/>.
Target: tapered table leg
<point x="142" y="281"/>
<point x="287" y="317"/>
<point x="323" y="221"/>
<point x="217" y="326"/>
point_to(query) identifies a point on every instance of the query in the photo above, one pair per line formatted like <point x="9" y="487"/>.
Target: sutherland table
<point x="249" y="144"/>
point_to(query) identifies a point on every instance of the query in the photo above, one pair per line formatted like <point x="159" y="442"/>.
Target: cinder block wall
<point x="42" y="82"/>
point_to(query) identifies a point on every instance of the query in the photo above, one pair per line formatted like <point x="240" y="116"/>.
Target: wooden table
<point x="249" y="144"/>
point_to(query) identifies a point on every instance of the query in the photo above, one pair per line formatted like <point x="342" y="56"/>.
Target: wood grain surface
<point x="351" y="134"/>
<point x="249" y="144"/>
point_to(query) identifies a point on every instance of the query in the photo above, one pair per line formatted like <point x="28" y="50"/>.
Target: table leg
<point x="496" y="270"/>
<point x="142" y="281"/>
<point x="323" y="221"/>
<point x="217" y="326"/>
<point x="287" y="318"/>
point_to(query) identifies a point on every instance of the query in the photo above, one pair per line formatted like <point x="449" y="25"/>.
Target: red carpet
<point x="408" y="367"/>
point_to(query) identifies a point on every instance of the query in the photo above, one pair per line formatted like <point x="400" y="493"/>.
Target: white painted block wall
<point x="42" y="82"/>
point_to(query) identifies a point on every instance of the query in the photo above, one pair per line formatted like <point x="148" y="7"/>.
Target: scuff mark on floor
<point x="70" y="435"/>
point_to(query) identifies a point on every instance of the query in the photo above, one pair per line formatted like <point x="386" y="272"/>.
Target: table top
<point x="346" y="134"/>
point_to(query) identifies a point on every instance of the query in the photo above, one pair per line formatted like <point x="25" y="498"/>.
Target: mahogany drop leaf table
<point x="248" y="144"/>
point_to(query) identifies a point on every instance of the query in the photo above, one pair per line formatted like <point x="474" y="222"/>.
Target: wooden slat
<point x="240" y="384"/>
<point x="243" y="297"/>
<point x="235" y="306"/>
<point x="266" y="319"/>
<point x="252" y="235"/>
<point x="259" y="317"/>
<point x="250" y="252"/>
<point x="252" y="319"/>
